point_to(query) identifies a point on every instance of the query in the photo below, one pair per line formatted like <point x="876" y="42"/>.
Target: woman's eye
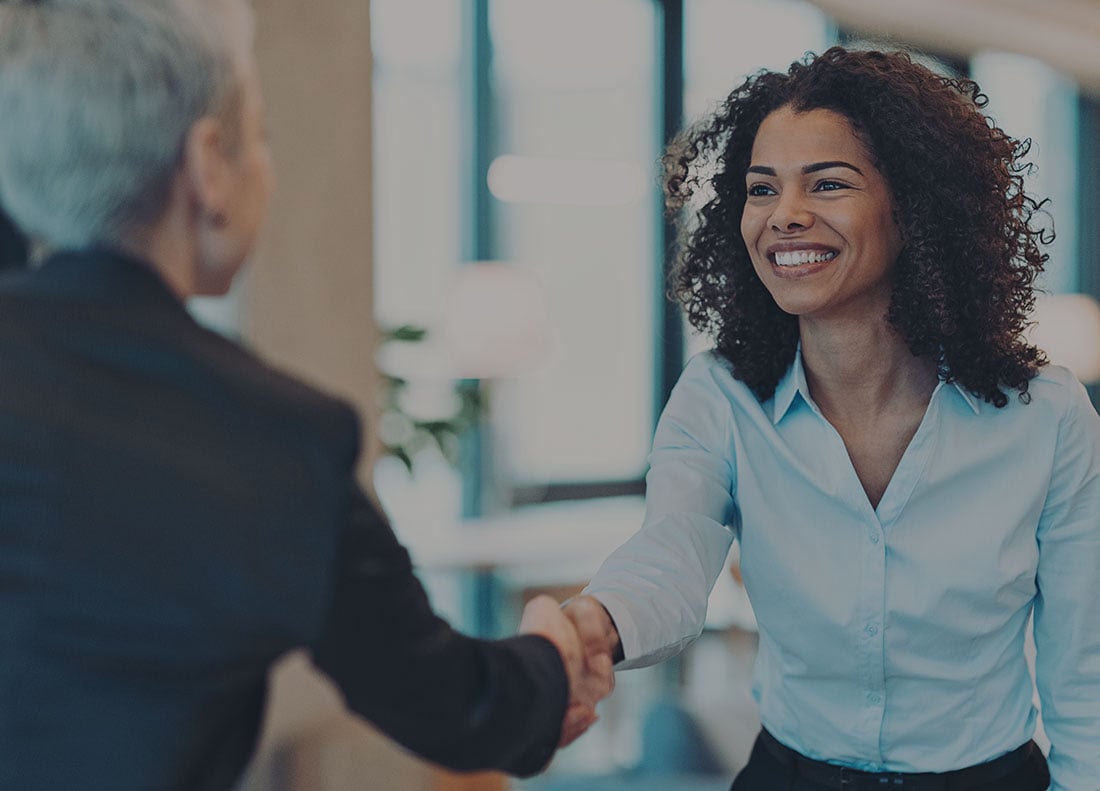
<point x="829" y="186"/>
<point x="760" y="190"/>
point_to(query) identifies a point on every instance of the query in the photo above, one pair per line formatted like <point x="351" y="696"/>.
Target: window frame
<point x="668" y="349"/>
<point x="480" y="244"/>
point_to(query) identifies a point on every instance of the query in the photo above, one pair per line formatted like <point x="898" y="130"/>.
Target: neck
<point x="168" y="247"/>
<point x="863" y="369"/>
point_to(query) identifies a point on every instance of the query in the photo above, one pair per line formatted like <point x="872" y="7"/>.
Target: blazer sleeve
<point x="461" y="702"/>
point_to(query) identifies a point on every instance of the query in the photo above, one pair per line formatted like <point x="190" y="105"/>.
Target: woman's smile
<point x="798" y="259"/>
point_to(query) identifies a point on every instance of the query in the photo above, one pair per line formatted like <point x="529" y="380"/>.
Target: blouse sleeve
<point x="1067" y="609"/>
<point x="657" y="584"/>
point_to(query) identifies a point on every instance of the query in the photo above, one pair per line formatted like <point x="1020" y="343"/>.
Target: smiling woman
<point x="908" y="479"/>
<point x="960" y="299"/>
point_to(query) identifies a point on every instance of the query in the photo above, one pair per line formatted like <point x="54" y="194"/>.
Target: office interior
<point x="467" y="243"/>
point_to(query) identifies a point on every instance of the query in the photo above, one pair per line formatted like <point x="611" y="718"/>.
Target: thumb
<point x="543" y="616"/>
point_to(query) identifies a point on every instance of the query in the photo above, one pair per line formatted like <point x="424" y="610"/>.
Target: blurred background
<point x="467" y="242"/>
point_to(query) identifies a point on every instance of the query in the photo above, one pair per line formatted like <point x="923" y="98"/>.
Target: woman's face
<point x="818" y="220"/>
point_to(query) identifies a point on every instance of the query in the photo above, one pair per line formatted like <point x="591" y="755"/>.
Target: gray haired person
<point x="174" y="514"/>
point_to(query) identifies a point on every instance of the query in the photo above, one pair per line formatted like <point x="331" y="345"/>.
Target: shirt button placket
<point x="871" y="643"/>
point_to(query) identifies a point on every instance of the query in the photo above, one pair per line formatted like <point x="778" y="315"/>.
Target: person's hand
<point x="594" y="625"/>
<point x="590" y="676"/>
<point x="600" y="641"/>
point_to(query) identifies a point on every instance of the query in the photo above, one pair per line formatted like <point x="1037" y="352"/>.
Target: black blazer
<point x="174" y="516"/>
<point x="13" y="245"/>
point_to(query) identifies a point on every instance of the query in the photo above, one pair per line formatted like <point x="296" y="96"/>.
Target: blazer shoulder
<point x="276" y="394"/>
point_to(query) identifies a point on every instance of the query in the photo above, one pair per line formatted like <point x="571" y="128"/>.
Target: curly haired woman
<point x="909" y="480"/>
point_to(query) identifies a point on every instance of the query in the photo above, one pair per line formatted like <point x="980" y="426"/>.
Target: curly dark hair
<point x="964" y="282"/>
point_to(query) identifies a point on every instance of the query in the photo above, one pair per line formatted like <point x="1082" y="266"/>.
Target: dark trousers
<point x="775" y="767"/>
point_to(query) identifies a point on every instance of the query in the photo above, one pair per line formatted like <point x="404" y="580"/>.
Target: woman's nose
<point x="791" y="212"/>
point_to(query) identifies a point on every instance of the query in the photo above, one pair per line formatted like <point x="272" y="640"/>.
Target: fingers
<point x="594" y="625"/>
<point x="601" y="674"/>
<point x="585" y="636"/>
<point x="593" y="685"/>
<point x="578" y="719"/>
<point x="543" y="616"/>
<point x="597" y="633"/>
<point x="596" y="682"/>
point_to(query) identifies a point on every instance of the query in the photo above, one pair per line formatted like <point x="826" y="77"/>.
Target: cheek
<point x="887" y="226"/>
<point x="750" y="229"/>
<point x="889" y="237"/>
<point x="753" y="225"/>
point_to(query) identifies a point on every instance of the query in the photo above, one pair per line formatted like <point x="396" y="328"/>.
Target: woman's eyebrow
<point x="836" y="163"/>
<point x="764" y="170"/>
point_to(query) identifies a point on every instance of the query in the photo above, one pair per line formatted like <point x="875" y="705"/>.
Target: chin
<point x="794" y="307"/>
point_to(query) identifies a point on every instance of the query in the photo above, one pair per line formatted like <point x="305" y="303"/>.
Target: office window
<point x="418" y="117"/>
<point x="418" y="151"/>
<point x="574" y="186"/>
<point x="727" y="40"/>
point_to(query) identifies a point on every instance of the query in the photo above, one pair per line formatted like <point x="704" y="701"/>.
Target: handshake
<point x="587" y="639"/>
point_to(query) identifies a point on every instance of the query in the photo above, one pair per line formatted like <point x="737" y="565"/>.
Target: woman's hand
<point x="588" y="668"/>
<point x="595" y="627"/>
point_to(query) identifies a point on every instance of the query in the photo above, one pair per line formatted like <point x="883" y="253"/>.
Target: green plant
<point x="404" y="436"/>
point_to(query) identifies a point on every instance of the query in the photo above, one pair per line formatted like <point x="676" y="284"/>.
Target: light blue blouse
<point x="891" y="639"/>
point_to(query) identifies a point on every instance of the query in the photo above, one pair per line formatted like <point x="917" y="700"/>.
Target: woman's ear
<point x="207" y="169"/>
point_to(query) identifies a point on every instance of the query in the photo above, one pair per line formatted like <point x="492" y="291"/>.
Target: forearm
<point x="468" y="704"/>
<point x="458" y="701"/>
<point x="655" y="587"/>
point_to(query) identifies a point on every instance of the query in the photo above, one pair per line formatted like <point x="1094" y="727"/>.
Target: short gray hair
<point x="96" y="99"/>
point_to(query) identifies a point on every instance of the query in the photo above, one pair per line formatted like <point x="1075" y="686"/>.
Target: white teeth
<point x="797" y="257"/>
